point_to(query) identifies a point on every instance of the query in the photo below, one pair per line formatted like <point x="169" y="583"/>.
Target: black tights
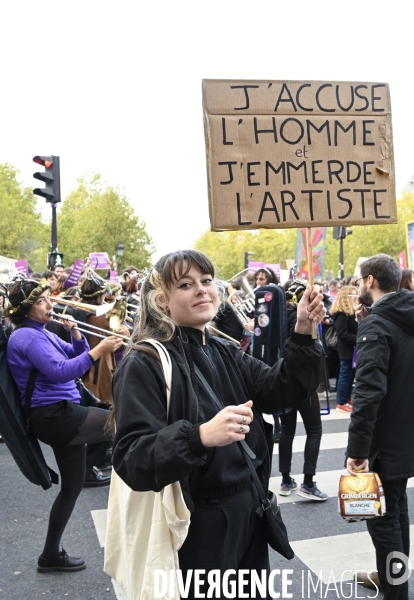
<point x="311" y="416"/>
<point x="71" y="462"/>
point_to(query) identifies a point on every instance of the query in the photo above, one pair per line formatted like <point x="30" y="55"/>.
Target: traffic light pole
<point x="51" y="177"/>
<point x="53" y="245"/>
<point x="341" y="258"/>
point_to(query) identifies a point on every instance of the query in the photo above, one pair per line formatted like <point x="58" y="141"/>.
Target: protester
<point x="60" y="285"/>
<point x="98" y="378"/>
<point x="310" y="412"/>
<point x="343" y="316"/>
<point x="407" y="280"/>
<point x="217" y="396"/>
<point x="56" y="416"/>
<point x="381" y="427"/>
<point x="264" y="276"/>
<point x="59" y="270"/>
<point x="51" y="278"/>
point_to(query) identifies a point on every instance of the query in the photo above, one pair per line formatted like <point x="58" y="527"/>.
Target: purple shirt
<point x="59" y="363"/>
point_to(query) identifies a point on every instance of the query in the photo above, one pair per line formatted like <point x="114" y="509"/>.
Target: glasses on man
<point x="358" y="280"/>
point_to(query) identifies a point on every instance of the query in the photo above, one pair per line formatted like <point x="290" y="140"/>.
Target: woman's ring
<point x="242" y="429"/>
<point x="243" y="420"/>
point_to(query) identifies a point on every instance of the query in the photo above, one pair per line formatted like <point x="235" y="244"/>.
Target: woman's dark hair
<point x="22" y="294"/>
<point x="47" y="274"/>
<point x="406" y="279"/>
<point x="130" y="285"/>
<point x="154" y="321"/>
<point x="269" y="274"/>
<point x="92" y="287"/>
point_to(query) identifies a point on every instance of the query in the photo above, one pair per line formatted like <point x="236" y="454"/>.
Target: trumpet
<point x="57" y="317"/>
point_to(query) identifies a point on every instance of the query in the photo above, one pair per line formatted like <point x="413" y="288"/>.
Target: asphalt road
<point x="320" y="538"/>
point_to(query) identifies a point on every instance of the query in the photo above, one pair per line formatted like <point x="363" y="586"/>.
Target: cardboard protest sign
<point x="298" y="154"/>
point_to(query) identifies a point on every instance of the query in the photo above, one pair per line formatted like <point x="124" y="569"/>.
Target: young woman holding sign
<point x="218" y="394"/>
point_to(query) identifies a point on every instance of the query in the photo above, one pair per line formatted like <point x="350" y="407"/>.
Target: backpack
<point x="20" y="440"/>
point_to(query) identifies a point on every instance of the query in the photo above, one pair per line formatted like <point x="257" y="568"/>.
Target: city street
<point x="319" y="537"/>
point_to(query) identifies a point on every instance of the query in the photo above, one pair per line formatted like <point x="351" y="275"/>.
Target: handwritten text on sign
<point x="298" y="154"/>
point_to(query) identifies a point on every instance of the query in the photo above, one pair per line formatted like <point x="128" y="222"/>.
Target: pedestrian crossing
<point x="326" y="557"/>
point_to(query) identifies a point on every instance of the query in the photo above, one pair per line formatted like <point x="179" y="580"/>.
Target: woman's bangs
<point x="178" y="265"/>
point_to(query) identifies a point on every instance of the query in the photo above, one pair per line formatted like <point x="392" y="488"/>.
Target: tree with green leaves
<point x="226" y="249"/>
<point x="23" y="234"/>
<point x="368" y="240"/>
<point x="94" y="217"/>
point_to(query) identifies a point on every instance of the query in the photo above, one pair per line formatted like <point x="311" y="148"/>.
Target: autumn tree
<point x="94" y="217"/>
<point x="226" y="249"/>
<point x="23" y="234"/>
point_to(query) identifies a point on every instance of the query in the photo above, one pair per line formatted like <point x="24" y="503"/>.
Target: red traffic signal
<point x="44" y="160"/>
<point x="51" y="177"/>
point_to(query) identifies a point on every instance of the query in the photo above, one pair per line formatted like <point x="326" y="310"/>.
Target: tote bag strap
<point x="165" y="364"/>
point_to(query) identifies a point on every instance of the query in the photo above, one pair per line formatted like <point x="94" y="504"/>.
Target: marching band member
<point x="56" y="416"/>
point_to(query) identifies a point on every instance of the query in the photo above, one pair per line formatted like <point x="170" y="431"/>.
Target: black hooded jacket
<point x="150" y="451"/>
<point x="382" y="421"/>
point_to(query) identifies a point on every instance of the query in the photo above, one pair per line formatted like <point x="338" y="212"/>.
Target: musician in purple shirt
<point x="56" y="416"/>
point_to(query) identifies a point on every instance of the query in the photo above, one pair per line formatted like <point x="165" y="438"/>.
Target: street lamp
<point x="340" y="233"/>
<point x="120" y="251"/>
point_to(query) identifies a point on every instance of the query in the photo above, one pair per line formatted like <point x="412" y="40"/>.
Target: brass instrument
<point x="117" y="310"/>
<point x="97" y="309"/>
<point x="57" y="317"/>
<point x="118" y="314"/>
<point x="237" y="304"/>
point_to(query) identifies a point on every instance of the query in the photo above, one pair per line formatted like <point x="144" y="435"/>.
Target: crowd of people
<point x="219" y="395"/>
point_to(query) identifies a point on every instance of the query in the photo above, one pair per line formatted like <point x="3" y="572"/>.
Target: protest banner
<point x="99" y="260"/>
<point x="297" y="154"/>
<point x="410" y="243"/>
<point x="76" y="272"/>
<point x="22" y="266"/>
<point x="318" y="243"/>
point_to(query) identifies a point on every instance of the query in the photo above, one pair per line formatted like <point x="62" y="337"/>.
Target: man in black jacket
<point x="382" y="421"/>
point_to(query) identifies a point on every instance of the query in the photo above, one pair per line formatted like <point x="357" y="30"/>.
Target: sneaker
<point x="344" y="407"/>
<point x="368" y="579"/>
<point x="312" y="493"/>
<point x="287" y="488"/>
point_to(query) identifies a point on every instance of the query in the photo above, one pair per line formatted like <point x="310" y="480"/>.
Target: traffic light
<point x="340" y="233"/>
<point x="54" y="259"/>
<point x="51" y="177"/>
<point x="246" y="259"/>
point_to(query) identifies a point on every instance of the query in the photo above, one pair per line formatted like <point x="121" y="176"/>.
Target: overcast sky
<point x="115" y="87"/>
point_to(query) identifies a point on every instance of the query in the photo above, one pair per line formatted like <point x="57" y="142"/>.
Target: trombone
<point x="56" y="317"/>
<point x="117" y="310"/>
